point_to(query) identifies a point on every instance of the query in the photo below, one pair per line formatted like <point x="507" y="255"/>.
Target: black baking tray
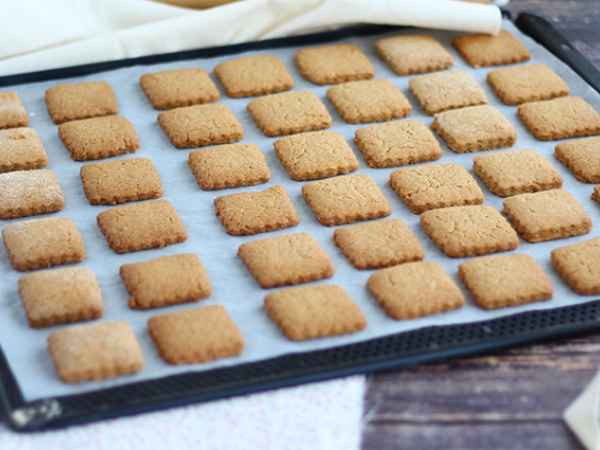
<point x="400" y="350"/>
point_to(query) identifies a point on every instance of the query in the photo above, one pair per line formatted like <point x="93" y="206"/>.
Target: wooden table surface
<point x="510" y="400"/>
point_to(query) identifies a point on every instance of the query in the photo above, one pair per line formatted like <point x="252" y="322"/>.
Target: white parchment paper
<point x="25" y="348"/>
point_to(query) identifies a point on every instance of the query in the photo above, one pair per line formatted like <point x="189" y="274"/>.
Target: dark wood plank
<point x="510" y="400"/>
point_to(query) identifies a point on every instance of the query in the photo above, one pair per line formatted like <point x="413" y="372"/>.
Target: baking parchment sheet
<point x="233" y="286"/>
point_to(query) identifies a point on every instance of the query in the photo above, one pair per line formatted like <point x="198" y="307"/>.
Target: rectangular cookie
<point x="435" y="186"/>
<point x="577" y="265"/>
<point x="474" y="128"/>
<point x="141" y="226"/>
<point x="30" y="192"/>
<point x="12" y="111"/>
<point x="397" y="143"/>
<point x="582" y="157"/>
<point x="516" y="172"/>
<point x="484" y="50"/>
<point x="504" y="281"/>
<point x="410" y="54"/>
<point x="249" y="213"/>
<point x="229" y="166"/>
<point x="99" y="137"/>
<point x="369" y="101"/>
<point x="121" y="181"/>
<point x="179" y="87"/>
<point x="37" y="244"/>
<point x="311" y="312"/>
<point x="332" y="64"/>
<point x="95" y="352"/>
<point x="82" y="100"/>
<point x="529" y="83"/>
<point x="314" y="155"/>
<point x="196" y="335"/>
<point x="377" y="244"/>
<point x="414" y="290"/>
<point x="289" y="113"/>
<point x="548" y="215"/>
<point x="166" y="280"/>
<point x="437" y="92"/>
<point x="21" y="149"/>
<point x="53" y="297"/>
<point x="345" y="199"/>
<point x="560" y="118"/>
<point x="200" y="125"/>
<point x="253" y="75"/>
<point x="473" y="230"/>
<point x="284" y="260"/>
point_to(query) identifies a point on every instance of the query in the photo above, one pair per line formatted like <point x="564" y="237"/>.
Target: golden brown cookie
<point x="166" y="280"/>
<point x="577" y="265"/>
<point x="502" y="281"/>
<point x="311" y="312"/>
<point x="462" y="231"/>
<point x="30" y="192"/>
<point x="548" y="215"/>
<point x="37" y="244"/>
<point x="21" y="149"/>
<point x="377" y="244"/>
<point x="180" y="87"/>
<point x="414" y="290"/>
<point x="12" y="111"/>
<point x="397" y="143"/>
<point x="72" y="101"/>
<point x="196" y="335"/>
<point x="229" y="166"/>
<point x="484" y="50"/>
<point x="252" y="75"/>
<point x="289" y="113"/>
<point x="345" y="199"/>
<point x="596" y="194"/>
<point x="410" y="54"/>
<point x="284" y="260"/>
<point x="332" y="64"/>
<point x="582" y="157"/>
<point x="314" y="155"/>
<point x="53" y="297"/>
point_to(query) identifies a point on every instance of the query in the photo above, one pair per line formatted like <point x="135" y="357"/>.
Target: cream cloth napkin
<point x="582" y="415"/>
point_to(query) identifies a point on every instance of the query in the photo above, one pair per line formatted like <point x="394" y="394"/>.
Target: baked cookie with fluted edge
<point x="397" y="143"/>
<point x="414" y="290"/>
<point x="529" y="83"/>
<point x="21" y="149"/>
<point x="502" y="281"/>
<point x="377" y="244"/>
<point x="200" y="125"/>
<point x="289" y="113"/>
<point x="41" y="243"/>
<point x="547" y="215"/>
<point x="516" y="172"/>
<point x="441" y="91"/>
<point x="12" y="111"/>
<point x="253" y="75"/>
<point x="560" y="118"/>
<point x="250" y="213"/>
<point x="484" y="50"/>
<point x="53" y="297"/>
<point x="577" y="265"/>
<point x="415" y="53"/>
<point x="435" y="186"/>
<point x="30" y="192"/>
<point x="368" y="101"/>
<point x="314" y="155"/>
<point x="310" y="312"/>
<point x="99" y="137"/>
<point x="81" y="100"/>
<point x="196" y="335"/>
<point x="166" y="280"/>
<point x="332" y="64"/>
<point x="284" y="260"/>
<point x="345" y="199"/>
<point x="474" y="128"/>
<point x="229" y="166"/>
<point x="141" y="226"/>
<point x="473" y="230"/>
<point x="582" y="157"/>
<point x="95" y="352"/>
<point x="121" y="181"/>
<point x="179" y="87"/>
